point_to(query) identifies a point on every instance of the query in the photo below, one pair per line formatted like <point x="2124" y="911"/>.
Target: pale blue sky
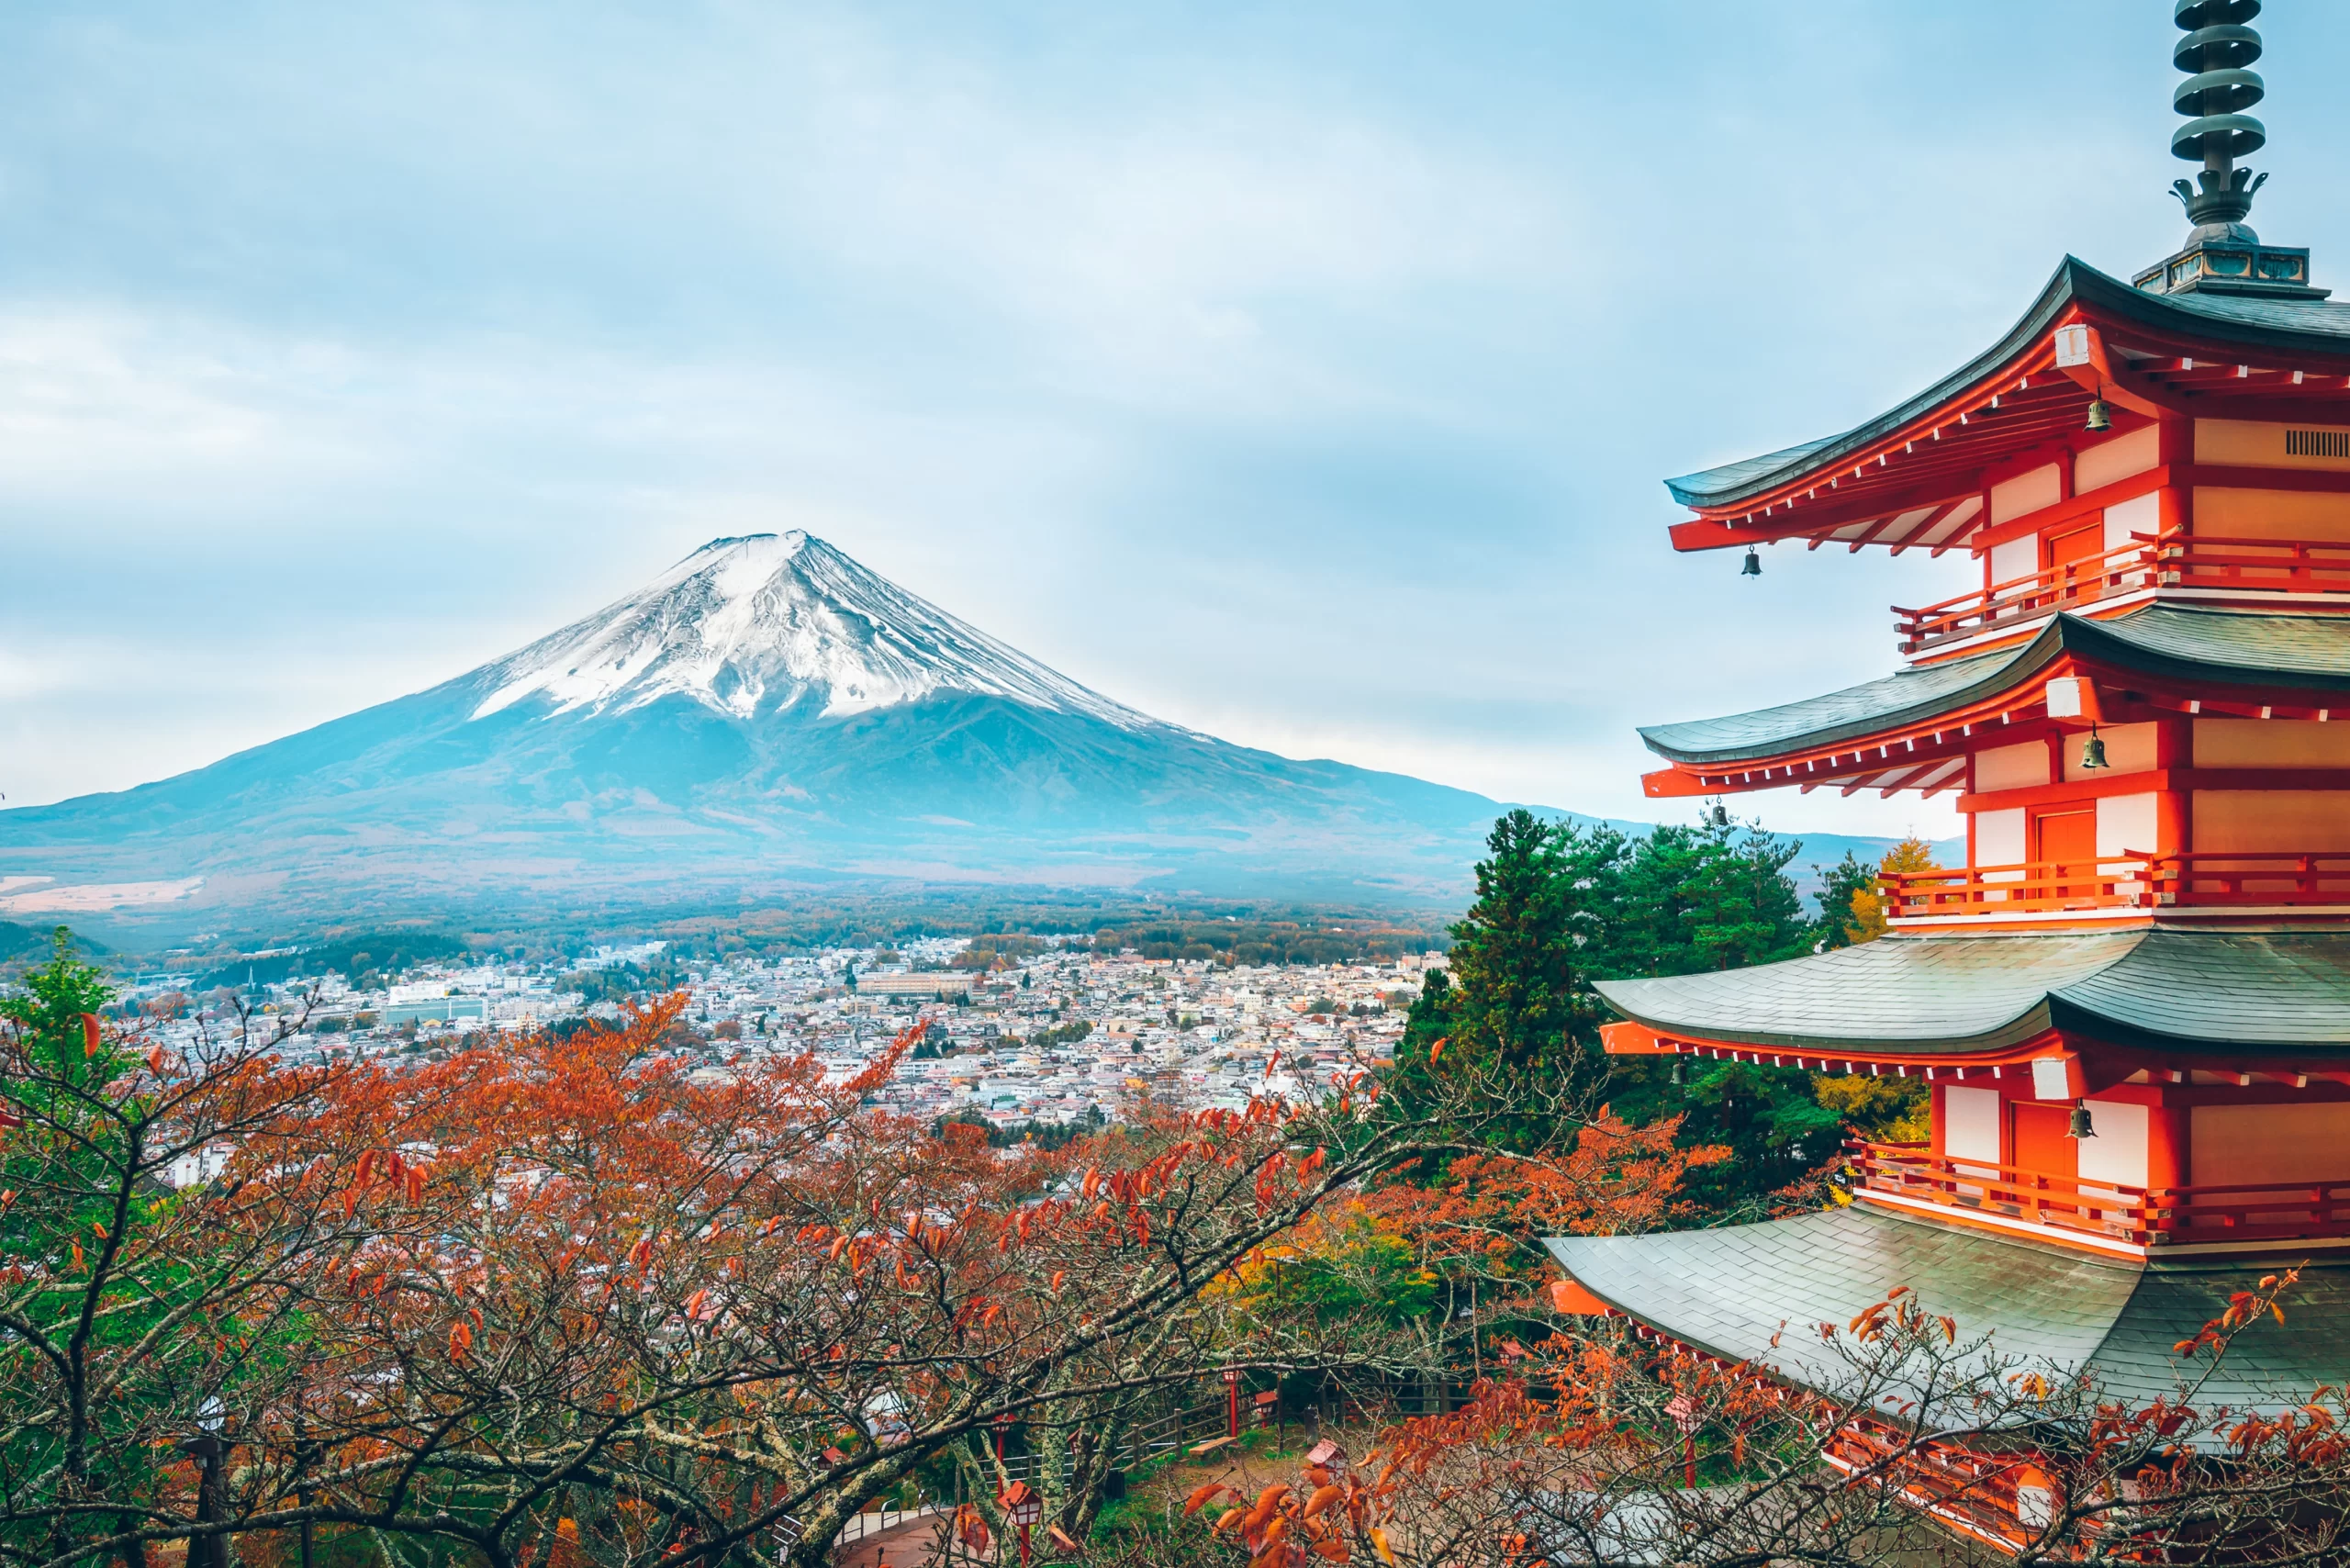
<point x="1304" y="374"/>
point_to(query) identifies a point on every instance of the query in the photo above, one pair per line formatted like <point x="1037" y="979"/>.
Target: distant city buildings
<point x="1060" y="1037"/>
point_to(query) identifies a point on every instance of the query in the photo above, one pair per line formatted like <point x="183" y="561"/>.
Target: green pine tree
<point x="1838" y="883"/>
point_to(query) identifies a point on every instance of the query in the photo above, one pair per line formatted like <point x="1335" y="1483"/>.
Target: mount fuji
<point x="765" y="713"/>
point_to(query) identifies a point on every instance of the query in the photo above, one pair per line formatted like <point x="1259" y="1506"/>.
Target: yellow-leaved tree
<point x="1912" y="854"/>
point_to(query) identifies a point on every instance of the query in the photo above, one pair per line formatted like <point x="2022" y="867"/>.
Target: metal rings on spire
<point x="2216" y="51"/>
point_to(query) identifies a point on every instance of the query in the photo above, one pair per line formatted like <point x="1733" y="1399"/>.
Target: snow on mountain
<point x="755" y="625"/>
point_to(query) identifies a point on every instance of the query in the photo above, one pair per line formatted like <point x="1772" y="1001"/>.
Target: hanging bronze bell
<point x="2100" y="415"/>
<point x="1753" y="567"/>
<point x="2093" y="753"/>
<point x="2079" y="1126"/>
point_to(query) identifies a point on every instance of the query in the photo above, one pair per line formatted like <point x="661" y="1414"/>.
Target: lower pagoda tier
<point x="2267" y="1002"/>
<point x="2161" y="1091"/>
<point x="1754" y="1293"/>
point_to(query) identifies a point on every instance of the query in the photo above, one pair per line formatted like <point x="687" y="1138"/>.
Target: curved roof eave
<point x="2207" y="647"/>
<point x="1958" y="995"/>
<point x="2298" y="327"/>
<point x="1680" y="743"/>
<point x="1937" y="995"/>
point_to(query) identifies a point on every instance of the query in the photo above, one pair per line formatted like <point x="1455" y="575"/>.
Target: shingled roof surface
<point x="1732" y="1292"/>
<point x="2216" y="647"/>
<point x="2297" y="326"/>
<point x="2216" y="990"/>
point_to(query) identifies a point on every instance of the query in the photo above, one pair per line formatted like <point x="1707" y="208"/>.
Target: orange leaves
<point x="461" y="1341"/>
<point x="1203" y="1496"/>
<point x="1286" y="1528"/>
<point x="1257" y="1524"/>
<point x="1870" y="1322"/>
<point x="383" y="1168"/>
<point x="1616" y="1179"/>
<point x="2244" y="1308"/>
<point x="89" y="1035"/>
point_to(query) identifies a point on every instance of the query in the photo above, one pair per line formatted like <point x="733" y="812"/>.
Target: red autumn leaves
<point x="1286" y="1526"/>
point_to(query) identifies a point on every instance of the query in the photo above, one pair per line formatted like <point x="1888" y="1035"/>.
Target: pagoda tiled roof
<point x="2217" y="992"/>
<point x="2220" y="321"/>
<point x="1756" y="1294"/>
<point x="2214" y="647"/>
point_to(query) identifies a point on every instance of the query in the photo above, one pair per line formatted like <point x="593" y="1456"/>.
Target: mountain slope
<point x="765" y="712"/>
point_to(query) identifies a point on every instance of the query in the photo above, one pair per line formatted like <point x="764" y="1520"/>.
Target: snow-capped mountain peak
<point x="753" y="625"/>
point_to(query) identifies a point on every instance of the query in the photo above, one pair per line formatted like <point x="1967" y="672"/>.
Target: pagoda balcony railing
<point x="2131" y="880"/>
<point x="2166" y="560"/>
<point x="2114" y="881"/>
<point x="2144" y="1217"/>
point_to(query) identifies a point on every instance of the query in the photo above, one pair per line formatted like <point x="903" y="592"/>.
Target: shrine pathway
<point x="905" y="1545"/>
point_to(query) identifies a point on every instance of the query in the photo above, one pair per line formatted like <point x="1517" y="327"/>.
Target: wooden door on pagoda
<point x="2047" y="1162"/>
<point x="2064" y="838"/>
<point x="2073" y="559"/>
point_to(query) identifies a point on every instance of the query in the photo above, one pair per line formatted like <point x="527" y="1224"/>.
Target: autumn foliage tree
<point x="578" y="1296"/>
<point x="1866" y="903"/>
<point x="1598" y="1449"/>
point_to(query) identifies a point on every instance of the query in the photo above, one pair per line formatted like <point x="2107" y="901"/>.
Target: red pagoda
<point x="2132" y="1004"/>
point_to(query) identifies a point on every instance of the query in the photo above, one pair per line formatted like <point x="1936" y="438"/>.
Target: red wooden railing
<point x="2251" y="877"/>
<point x="2148" y="1216"/>
<point x="2208" y="561"/>
<point x="1911" y="1172"/>
<point x="2166" y="560"/>
<point x="2056" y="587"/>
<point x="2110" y="881"/>
<point x="2130" y="879"/>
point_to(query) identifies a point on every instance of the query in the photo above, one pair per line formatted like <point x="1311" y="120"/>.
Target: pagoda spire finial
<point x="2222" y="255"/>
<point x="2215" y="53"/>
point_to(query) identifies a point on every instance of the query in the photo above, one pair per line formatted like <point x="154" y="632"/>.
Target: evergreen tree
<point x="1516" y="999"/>
<point x="47" y="1015"/>
<point x="1513" y="965"/>
<point x="1716" y="896"/>
<point x="1429" y="1021"/>
<point x="1841" y="888"/>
